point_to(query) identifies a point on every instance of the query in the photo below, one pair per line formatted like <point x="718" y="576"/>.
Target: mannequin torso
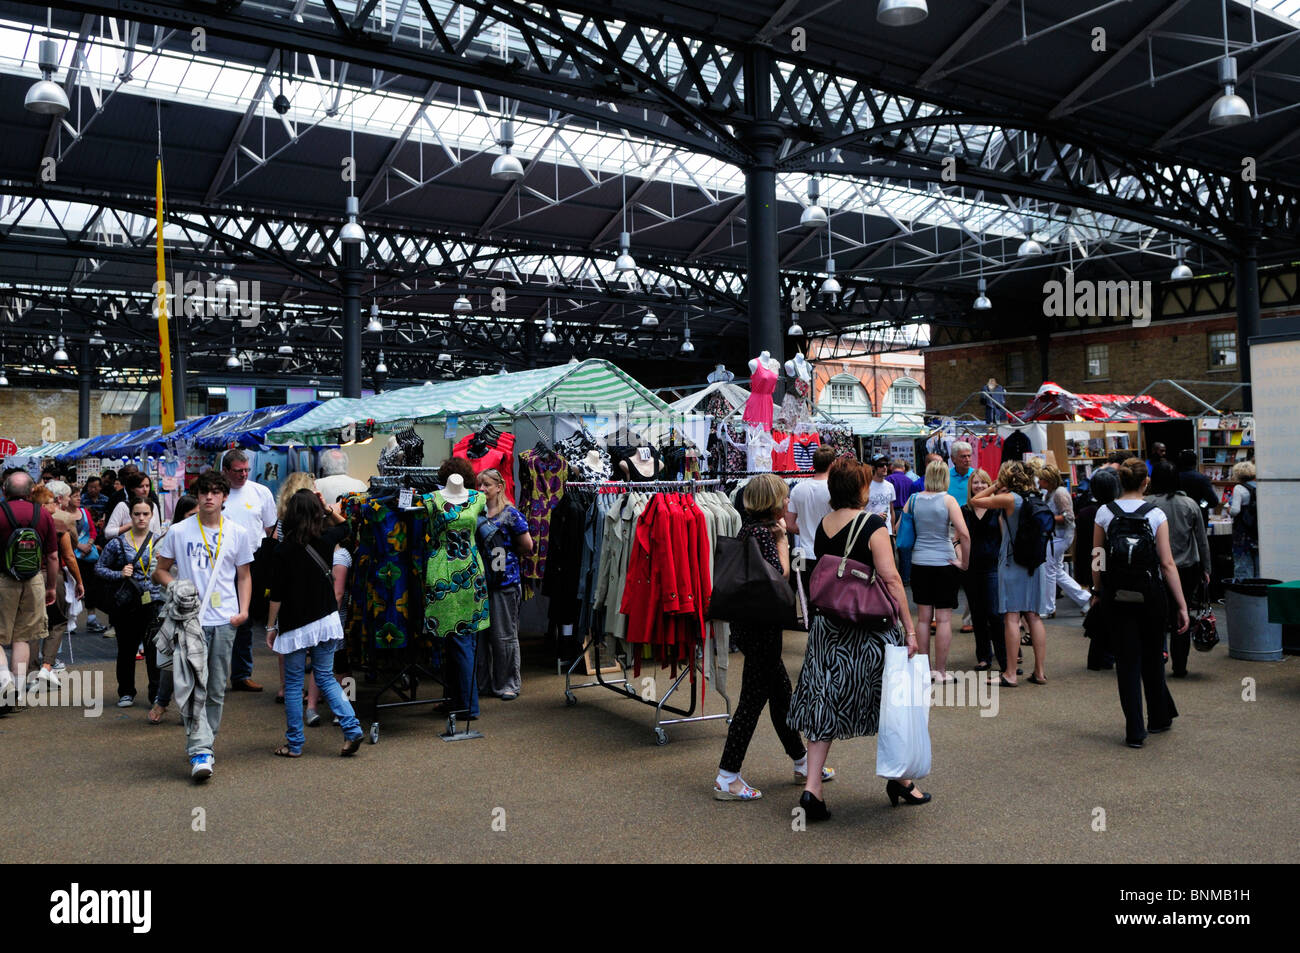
<point x="455" y="491"/>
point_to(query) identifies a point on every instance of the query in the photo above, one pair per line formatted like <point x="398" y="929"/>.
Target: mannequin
<point x="766" y="360"/>
<point x="645" y="463"/>
<point x="720" y="373"/>
<point x="455" y="491"/>
<point x="762" y="385"/>
<point x="798" y="367"/>
<point x="593" y="460"/>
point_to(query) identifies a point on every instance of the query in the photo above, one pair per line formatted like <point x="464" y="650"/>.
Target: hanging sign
<point x="449" y="431"/>
<point x="7" y="447"/>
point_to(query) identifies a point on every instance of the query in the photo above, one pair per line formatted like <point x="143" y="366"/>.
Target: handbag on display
<point x="850" y="590"/>
<point x="746" y="589"/>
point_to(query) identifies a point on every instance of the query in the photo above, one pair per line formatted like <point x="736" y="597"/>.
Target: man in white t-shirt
<point x="252" y="506"/>
<point x="334" y="481"/>
<point x="809" y="503"/>
<point x="881" y="493"/>
<point x="194" y="549"/>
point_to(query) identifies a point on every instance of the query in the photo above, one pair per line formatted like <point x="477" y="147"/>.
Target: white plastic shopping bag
<point x="903" y="745"/>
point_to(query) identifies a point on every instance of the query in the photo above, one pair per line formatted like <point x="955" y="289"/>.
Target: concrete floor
<point x="588" y="783"/>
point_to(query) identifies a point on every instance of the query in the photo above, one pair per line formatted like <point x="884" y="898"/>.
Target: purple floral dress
<point x="541" y="487"/>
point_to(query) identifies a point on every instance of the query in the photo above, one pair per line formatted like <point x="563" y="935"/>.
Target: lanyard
<point x="136" y="546"/>
<point x="221" y="530"/>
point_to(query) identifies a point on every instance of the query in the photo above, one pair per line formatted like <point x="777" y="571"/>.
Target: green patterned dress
<point x="455" y="592"/>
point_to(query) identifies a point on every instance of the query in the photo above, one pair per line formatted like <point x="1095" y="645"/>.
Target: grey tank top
<point x="933" y="530"/>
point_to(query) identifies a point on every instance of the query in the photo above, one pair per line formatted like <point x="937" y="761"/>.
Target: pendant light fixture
<point x="443" y="357"/>
<point x="507" y="167"/>
<point x="648" y="320"/>
<point x="381" y="367"/>
<point x="1229" y="109"/>
<point x="982" y="302"/>
<point x="285" y="349"/>
<point x="687" y="346"/>
<point x="352" y="233"/>
<point x="60" y="356"/>
<point x="232" y="362"/>
<point x="796" y="329"/>
<point x="901" y="12"/>
<point x="1181" y="272"/>
<point x="281" y="102"/>
<point x="46" y="97"/>
<point x="625" y="263"/>
<point x="814" y="216"/>
<point x="548" y="336"/>
<point x="462" y="304"/>
<point x="1029" y="248"/>
<point x="830" y="286"/>
<point x="96" y="339"/>
<point x="376" y="325"/>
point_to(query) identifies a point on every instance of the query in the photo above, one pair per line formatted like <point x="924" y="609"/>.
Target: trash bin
<point x="1250" y="635"/>
<point x="1284" y="608"/>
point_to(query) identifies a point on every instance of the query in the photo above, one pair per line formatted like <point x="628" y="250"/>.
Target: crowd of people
<point x="179" y="592"/>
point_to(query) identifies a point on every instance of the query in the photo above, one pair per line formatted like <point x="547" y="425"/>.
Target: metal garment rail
<point x="622" y="686"/>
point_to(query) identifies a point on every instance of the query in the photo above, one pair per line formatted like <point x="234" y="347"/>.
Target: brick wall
<point x="1174" y="350"/>
<point x="29" y="417"/>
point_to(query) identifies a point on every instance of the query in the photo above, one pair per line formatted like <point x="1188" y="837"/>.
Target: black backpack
<point x="1132" y="562"/>
<point x="1248" y="515"/>
<point x="1033" y="533"/>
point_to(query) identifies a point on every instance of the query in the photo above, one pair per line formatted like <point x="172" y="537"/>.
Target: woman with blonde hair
<point x="503" y="537"/>
<point x="1245" y="522"/>
<point x="765" y="681"/>
<point x="1058" y="499"/>
<point x="936" y="564"/>
<point x="1019" y="589"/>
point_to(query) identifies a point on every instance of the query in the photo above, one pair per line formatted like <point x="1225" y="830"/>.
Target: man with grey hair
<point x="26" y="574"/>
<point x="334" y="481"/>
<point x="959" y="474"/>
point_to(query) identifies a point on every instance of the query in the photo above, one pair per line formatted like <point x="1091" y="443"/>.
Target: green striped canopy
<point x="594" y="386"/>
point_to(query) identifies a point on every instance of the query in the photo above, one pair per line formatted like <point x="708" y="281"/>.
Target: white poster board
<point x="1275" y="395"/>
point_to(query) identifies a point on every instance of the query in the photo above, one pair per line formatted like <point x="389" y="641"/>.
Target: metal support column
<point x="351" y="277"/>
<point x="84" y="379"/>
<point x="178" y="374"/>
<point x="765" y="138"/>
<point x="1247" y="282"/>
<point x="1045" y="356"/>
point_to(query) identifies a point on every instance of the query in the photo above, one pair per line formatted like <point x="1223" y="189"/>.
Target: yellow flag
<point x="164" y="339"/>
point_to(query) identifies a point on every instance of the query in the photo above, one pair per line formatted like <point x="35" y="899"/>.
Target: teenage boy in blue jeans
<point x="195" y="548"/>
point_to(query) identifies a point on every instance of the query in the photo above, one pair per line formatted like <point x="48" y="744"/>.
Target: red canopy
<point x="1055" y="403"/>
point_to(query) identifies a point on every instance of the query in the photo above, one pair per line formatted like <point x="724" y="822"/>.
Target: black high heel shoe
<point x="897" y="791"/>
<point x="814" y="809"/>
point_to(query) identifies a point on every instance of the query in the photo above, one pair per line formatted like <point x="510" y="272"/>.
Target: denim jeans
<point x="462" y="680"/>
<point x="322" y="662"/>
<point x="241" y="663"/>
<point x="905" y="565"/>
<point x="202" y="714"/>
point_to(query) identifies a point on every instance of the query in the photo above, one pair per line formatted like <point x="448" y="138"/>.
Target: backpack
<point x="1249" y="513"/>
<point x="1034" y="533"/>
<point x="1132" y="562"/>
<point x="23" y="555"/>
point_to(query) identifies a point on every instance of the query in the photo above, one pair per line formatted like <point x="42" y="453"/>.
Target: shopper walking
<point x="936" y="564"/>
<point x="1139" y="570"/>
<point x="186" y="507"/>
<point x="764" y="681"/>
<point x="213" y="553"/>
<point x="303" y="618"/>
<point x="1020" y="590"/>
<point x="1191" y="548"/>
<point x="88" y="547"/>
<point x="1058" y="499"/>
<point x="1103" y="488"/>
<point x="128" y="563"/>
<point x="137" y="487"/>
<point x="959" y="474"/>
<point x="298" y="480"/>
<point x="69" y="587"/>
<point x="980" y="581"/>
<point x="1196" y="485"/>
<point x="838" y="695"/>
<point x="29" y="573"/>
<point x="809" y="502"/>
<point x="1244" y="510"/>
<point x="334" y="481"/>
<point x="252" y="506"/>
<point x="902" y="484"/>
<point x="502" y="538"/>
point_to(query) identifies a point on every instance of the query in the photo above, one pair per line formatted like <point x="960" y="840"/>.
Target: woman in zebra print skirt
<point x="838" y="695"/>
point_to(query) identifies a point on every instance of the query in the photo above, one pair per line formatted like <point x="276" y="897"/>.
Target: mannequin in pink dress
<point x="762" y="385"/>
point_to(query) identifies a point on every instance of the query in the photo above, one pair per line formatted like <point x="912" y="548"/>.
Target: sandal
<point x="350" y="748"/>
<point x="1037" y="681"/>
<point x="746" y="793"/>
<point x="155" y="715"/>
<point x="1002" y="681"/>
<point x="801" y="777"/>
<point x="284" y="751"/>
<point x="1025" y="639"/>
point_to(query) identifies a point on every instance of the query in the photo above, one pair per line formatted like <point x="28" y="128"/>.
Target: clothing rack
<point x="622" y="686"/>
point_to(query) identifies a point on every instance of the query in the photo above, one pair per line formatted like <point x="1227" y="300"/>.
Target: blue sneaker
<point x="201" y="767"/>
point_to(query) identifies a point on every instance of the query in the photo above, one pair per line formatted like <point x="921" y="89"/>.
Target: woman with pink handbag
<point x="859" y="607"/>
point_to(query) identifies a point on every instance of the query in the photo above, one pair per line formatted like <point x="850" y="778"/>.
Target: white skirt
<point x="325" y="629"/>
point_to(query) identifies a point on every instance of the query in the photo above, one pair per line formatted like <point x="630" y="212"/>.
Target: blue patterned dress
<point x="455" y="591"/>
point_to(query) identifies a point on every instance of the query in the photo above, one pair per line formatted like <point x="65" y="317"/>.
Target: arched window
<point x="844" y="394"/>
<point x="905" y="396"/>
